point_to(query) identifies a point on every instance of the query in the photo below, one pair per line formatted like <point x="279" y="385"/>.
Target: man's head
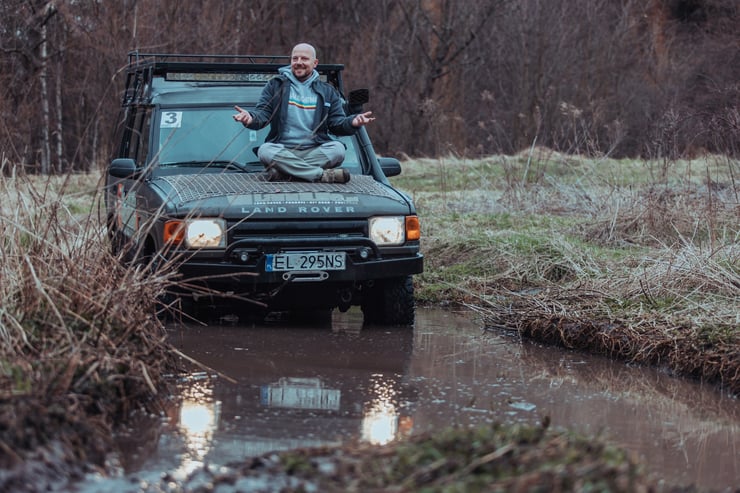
<point x="303" y="60"/>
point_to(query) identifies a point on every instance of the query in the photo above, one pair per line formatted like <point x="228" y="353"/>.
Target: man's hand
<point x="362" y="119"/>
<point x="243" y="117"/>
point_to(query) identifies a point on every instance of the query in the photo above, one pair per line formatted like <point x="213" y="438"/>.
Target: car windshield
<point x="191" y="136"/>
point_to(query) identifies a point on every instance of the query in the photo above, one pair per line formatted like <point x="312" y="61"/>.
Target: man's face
<point x="302" y="63"/>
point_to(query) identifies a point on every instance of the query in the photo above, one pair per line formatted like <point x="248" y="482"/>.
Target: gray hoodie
<point x="298" y="130"/>
<point x="272" y="108"/>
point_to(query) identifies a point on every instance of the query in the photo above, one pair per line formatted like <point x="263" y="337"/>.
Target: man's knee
<point x="334" y="152"/>
<point x="267" y="151"/>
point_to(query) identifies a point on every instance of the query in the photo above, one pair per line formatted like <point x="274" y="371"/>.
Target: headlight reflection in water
<point x="380" y="418"/>
<point x="198" y="420"/>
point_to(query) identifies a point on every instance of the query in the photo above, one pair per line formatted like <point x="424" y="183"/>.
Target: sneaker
<point x="335" y="175"/>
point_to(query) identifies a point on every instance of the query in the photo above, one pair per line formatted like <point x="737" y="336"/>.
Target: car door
<point x="125" y="174"/>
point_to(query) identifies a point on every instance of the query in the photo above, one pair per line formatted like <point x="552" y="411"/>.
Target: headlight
<point x="205" y="233"/>
<point x="196" y="233"/>
<point x="389" y="230"/>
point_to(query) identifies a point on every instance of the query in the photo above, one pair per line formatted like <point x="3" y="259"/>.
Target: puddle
<point x="281" y="386"/>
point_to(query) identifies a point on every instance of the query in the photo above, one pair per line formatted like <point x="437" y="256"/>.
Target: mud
<point x="282" y="385"/>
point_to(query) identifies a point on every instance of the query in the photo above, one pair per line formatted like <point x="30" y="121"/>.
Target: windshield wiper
<point x="246" y="167"/>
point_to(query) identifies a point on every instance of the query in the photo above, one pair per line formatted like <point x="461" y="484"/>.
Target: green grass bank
<point x="637" y="260"/>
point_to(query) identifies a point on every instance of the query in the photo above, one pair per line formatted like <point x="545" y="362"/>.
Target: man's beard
<point x="302" y="78"/>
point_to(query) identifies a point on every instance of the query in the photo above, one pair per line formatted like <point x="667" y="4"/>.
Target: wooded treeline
<point x="656" y="78"/>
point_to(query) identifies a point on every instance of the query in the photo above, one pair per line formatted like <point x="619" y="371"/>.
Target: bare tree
<point x="655" y="77"/>
<point x="555" y="81"/>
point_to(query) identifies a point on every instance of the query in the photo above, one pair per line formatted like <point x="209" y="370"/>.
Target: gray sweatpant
<point x="305" y="164"/>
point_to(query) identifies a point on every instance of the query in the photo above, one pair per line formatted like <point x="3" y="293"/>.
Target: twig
<point x="205" y="367"/>
<point x="147" y="379"/>
<point x="480" y="461"/>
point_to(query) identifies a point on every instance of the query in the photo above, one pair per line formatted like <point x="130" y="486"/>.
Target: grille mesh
<point x="189" y="188"/>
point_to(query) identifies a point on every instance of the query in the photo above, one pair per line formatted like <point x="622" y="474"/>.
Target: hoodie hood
<point x="289" y="74"/>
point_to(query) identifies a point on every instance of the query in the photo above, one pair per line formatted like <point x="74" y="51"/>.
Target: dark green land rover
<point x="185" y="187"/>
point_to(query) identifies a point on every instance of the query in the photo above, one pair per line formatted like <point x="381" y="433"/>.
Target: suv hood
<point x="236" y="195"/>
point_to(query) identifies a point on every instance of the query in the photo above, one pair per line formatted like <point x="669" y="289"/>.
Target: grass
<point x="79" y="343"/>
<point x="636" y="260"/>
<point x="489" y="458"/>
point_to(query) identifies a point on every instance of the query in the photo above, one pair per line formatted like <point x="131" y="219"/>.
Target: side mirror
<point x="357" y="98"/>
<point x="390" y="166"/>
<point x="123" y="168"/>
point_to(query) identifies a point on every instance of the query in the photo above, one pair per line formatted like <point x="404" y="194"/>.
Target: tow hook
<point x="305" y="276"/>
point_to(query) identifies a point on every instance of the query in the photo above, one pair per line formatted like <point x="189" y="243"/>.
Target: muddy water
<point x="260" y="388"/>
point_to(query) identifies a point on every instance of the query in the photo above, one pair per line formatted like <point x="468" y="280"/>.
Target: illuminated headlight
<point x="390" y="230"/>
<point x="196" y="233"/>
<point x="205" y="233"/>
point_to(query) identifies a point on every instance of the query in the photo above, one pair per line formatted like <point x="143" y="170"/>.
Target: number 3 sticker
<point x="171" y="119"/>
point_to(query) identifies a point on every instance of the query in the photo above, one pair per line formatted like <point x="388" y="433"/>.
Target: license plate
<point x="298" y="261"/>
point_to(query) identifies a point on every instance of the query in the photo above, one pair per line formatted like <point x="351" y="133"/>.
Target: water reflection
<point x="300" y="393"/>
<point x="380" y="418"/>
<point x="301" y="386"/>
<point x="296" y="386"/>
<point x="197" y="421"/>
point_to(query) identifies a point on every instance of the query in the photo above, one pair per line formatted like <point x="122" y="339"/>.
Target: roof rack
<point x="142" y="67"/>
<point x="135" y="57"/>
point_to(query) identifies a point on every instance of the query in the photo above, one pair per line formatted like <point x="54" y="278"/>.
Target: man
<point x="301" y="111"/>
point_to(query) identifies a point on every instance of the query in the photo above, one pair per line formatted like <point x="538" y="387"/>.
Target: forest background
<point x="640" y="78"/>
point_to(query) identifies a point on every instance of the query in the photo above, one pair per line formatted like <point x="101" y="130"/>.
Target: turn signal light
<point x="413" y="228"/>
<point x="174" y="232"/>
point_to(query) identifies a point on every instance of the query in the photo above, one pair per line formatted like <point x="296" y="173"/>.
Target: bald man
<point x="301" y="111"/>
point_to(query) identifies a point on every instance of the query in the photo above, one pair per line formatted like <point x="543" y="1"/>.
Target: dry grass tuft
<point x="79" y="342"/>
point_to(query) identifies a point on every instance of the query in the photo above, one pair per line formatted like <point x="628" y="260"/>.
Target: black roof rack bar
<point x="242" y="63"/>
<point x="135" y="57"/>
<point x="163" y="67"/>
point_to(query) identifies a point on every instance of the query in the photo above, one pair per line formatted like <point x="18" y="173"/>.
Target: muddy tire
<point x="390" y="302"/>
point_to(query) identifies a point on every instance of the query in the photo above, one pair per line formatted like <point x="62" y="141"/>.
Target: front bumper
<point x="233" y="275"/>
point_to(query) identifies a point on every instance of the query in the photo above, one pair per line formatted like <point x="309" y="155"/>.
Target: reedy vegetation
<point x="634" y="259"/>
<point x="80" y="346"/>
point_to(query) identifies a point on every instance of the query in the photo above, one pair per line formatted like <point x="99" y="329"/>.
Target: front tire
<point x="390" y="302"/>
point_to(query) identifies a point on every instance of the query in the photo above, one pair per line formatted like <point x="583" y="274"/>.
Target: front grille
<point x="282" y="235"/>
<point x="302" y="228"/>
<point x="297" y="235"/>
